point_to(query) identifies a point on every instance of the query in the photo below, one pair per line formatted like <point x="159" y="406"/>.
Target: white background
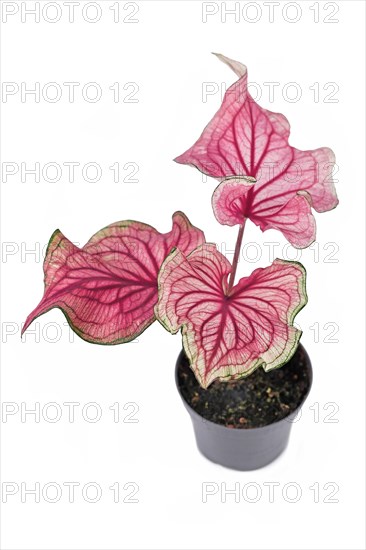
<point x="167" y="54"/>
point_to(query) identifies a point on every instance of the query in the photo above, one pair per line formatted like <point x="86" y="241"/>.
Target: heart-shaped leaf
<point x="108" y="289"/>
<point x="229" y="333"/>
<point x="243" y="139"/>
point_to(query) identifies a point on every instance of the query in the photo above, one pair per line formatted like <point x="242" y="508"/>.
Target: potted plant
<point x="235" y="335"/>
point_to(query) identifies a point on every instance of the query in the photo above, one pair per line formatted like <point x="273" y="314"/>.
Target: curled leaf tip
<point x="238" y="68"/>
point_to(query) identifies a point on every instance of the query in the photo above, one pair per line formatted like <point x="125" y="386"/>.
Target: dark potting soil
<point x="257" y="400"/>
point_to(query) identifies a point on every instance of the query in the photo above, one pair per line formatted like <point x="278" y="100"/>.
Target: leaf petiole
<point x="236" y="255"/>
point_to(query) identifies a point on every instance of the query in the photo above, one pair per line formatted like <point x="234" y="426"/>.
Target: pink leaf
<point x="230" y="200"/>
<point x="243" y="139"/>
<point x="108" y="289"/>
<point x="228" y="334"/>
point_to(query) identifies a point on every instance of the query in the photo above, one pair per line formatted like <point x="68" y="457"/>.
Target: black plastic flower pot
<point x="241" y="445"/>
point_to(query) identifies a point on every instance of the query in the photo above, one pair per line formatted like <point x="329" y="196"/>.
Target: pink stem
<point x="236" y="255"/>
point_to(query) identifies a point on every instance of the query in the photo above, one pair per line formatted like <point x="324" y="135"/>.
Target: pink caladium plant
<point x="129" y="274"/>
<point x="263" y="178"/>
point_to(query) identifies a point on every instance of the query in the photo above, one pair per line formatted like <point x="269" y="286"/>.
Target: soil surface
<point x="257" y="400"/>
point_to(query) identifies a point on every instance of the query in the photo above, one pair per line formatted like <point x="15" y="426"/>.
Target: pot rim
<point x="197" y="416"/>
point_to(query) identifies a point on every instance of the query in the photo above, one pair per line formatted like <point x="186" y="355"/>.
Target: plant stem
<point x="236" y="255"/>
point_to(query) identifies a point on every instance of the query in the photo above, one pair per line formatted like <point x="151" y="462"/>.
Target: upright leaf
<point x="243" y="139"/>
